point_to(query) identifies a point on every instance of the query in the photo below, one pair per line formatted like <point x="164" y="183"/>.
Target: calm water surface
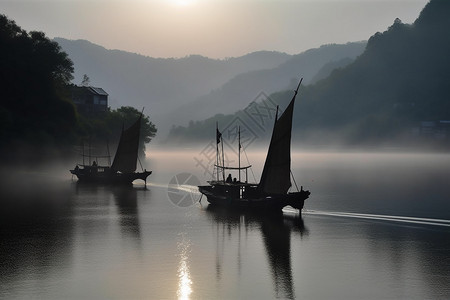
<point x="377" y="226"/>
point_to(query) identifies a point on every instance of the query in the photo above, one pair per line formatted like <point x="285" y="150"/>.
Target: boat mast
<point x="223" y="160"/>
<point x="239" y="151"/>
<point x="217" y="151"/>
<point x="295" y="95"/>
<point x="298" y="86"/>
<point x="109" y="155"/>
<point x="89" y="149"/>
<point x="82" y="144"/>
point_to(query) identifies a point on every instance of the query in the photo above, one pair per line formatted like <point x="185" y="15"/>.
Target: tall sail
<point x="275" y="178"/>
<point x="127" y="150"/>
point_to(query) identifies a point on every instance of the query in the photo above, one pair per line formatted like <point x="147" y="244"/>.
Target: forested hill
<point x="401" y="80"/>
<point x="38" y="120"/>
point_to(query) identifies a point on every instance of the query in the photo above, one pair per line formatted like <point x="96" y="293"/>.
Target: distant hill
<point x="176" y="89"/>
<point x="384" y="96"/>
<point x="246" y="87"/>
<point x="156" y="83"/>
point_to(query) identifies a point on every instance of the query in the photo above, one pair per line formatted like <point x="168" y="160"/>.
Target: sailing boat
<point x="122" y="170"/>
<point x="272" y="192"/>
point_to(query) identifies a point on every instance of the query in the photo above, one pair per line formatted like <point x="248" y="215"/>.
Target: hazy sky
<point x="213" y="28"/>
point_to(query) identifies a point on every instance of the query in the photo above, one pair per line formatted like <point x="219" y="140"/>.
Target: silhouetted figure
<point x="234" y="180"/>
<point x="229" y="179"/>
<point x="94" y="164"/>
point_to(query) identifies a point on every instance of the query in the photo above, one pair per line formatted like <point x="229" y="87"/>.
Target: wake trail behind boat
<point x="401" y="219"/>
<point x="181" y="187"/>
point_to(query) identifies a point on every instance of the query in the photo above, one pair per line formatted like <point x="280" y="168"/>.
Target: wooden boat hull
<point x="109" y="177"/>
<point x="269" y="203"/>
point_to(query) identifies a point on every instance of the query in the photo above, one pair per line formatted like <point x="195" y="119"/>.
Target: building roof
<point x="98" y="91"/>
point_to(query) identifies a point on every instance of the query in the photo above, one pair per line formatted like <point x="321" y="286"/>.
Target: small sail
<point x="127" y="151"/>
<point x="275" y="178"/>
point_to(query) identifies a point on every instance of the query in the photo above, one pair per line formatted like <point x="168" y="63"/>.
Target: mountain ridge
<point x="239" y="91"/>
<point x="165" y="85"/>
<point x="383" y="97"/>
<point x="138" y="80"/>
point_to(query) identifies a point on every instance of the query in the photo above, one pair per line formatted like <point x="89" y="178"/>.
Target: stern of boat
<point x="297" y="199"/>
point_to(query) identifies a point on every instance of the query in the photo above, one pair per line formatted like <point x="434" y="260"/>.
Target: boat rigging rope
<point x="293" y="178"/>
<point x="248" y="162"/>
<point x="140" y="163"/>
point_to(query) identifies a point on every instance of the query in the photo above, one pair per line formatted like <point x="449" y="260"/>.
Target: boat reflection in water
<point x="126" y="201"/>
<point x="109" y="211"/>
<point x="275" y="229"/>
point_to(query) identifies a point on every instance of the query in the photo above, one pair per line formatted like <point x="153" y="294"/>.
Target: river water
<point x="377" y="226"/>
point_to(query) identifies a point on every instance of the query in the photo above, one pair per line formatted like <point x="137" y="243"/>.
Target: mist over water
<point x="376" y="226"/>
<point x="406" y="184"/>
<point x="393" y="183"/>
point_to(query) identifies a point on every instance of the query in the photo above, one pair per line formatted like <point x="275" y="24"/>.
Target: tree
<point x="124" y="117"/>
<point x="35" y="74"/>
<point x="127" y="115"/>
<point x="86" y="80"/>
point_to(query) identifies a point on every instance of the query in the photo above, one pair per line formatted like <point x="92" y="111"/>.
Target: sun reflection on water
<point x="184" y="278"/>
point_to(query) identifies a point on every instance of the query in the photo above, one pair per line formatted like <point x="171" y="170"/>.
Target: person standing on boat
<point x="229" y="179"/>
